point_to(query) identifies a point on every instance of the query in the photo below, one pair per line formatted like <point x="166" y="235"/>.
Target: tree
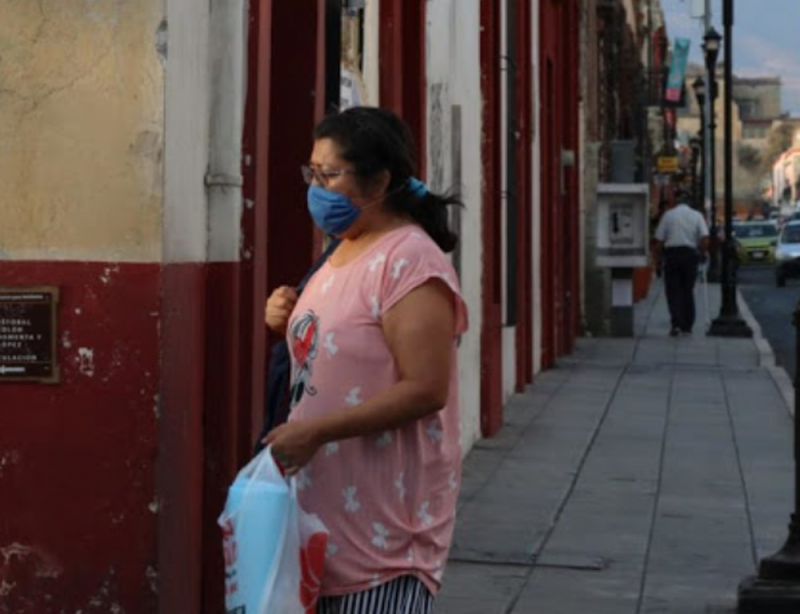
<point x="780" y="138"/>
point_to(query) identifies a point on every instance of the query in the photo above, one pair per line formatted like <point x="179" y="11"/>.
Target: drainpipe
<point x="228" y="70"/>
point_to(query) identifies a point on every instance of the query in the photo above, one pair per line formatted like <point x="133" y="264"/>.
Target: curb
<point x="767" y="356"/>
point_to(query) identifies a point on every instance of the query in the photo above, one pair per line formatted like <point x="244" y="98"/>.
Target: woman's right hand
<point x="280" y="305"/>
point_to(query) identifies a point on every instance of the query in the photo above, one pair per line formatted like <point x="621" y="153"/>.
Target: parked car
<point x="755" y="242"/>
<point x="787" y="253"/>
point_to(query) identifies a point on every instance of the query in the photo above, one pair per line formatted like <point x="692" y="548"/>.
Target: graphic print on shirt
<point x="424" y="515"/>
<point x="304" y="345"/>
<point x="332" y="348"/>
<point x="353" y="397"/>
<point x="452" y="483"/>
<point x="399" y="484"/>
<point x="331" y="448"/>
<point x="304" y="478"/>
<point x="328" y="283"/>
<point x="351" y="504"/>
<point x="434" y="431"/>
<point x="376" y="307"/>
<point x="398" y="266"/>
<point x="380" y="533"/>
<point x="376" y="262"/>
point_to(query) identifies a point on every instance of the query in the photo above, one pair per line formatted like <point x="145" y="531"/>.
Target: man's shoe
<point x="675" y="332"/>
<point x="686" y="333"/>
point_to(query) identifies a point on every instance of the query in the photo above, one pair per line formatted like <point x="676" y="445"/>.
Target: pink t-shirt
<point x="388" y="500"/>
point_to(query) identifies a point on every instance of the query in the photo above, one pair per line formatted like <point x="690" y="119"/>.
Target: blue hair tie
<point x="417" y="188"/>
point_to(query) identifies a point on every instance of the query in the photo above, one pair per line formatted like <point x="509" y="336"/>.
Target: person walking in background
<point x="373" y="433"/>
<point x="682" y="235"/>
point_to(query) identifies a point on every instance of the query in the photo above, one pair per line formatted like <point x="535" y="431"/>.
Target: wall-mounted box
<point x="623" y="225"/>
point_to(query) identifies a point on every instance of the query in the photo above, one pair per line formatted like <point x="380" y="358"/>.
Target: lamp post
<point x="711" y="46"/>
<point x="696" y="144"/>
<point x="699" y="87"/>
<point x="728" y="323"/>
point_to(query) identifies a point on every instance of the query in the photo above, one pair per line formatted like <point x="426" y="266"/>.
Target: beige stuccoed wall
<point x="81" y="130"/>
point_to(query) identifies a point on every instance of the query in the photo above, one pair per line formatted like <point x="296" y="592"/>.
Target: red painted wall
<point x="180" y="471"/>
<point x="78" y="520"/>
<point x="560" y="232"/>
<point x="524" y="333"/>
<point x="491" y="332"/>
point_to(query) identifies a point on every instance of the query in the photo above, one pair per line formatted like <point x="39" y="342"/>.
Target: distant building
<point x="757" y="115"/>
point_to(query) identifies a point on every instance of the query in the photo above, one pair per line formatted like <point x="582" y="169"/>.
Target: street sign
<point x="28" y="335"/>
<point x="667" y="164"/>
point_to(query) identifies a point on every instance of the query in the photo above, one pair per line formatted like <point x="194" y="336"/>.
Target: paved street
<point x="773" y="308"/>
<point x="641" y="476"/>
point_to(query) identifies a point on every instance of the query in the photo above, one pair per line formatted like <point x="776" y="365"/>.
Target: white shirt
<point x="681" y="227"/>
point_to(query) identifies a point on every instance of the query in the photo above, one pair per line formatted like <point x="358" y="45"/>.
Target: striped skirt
<point x="403" y="595"/>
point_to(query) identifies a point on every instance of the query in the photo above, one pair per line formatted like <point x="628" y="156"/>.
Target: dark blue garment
<point x="276" y="405"/>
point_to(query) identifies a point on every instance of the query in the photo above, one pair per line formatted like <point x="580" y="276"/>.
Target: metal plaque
<point x="28" y="335"/>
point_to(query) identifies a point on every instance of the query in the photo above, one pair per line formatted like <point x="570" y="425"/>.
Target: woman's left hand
<point x="294" y="444"/>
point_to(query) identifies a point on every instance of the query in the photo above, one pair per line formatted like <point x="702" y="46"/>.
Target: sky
<point x="766" y="39"/>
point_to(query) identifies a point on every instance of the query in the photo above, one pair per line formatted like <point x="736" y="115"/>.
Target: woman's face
<point x="335" y="173"/>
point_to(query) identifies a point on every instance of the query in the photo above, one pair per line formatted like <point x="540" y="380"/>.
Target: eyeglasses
<point x="312" y="174"/>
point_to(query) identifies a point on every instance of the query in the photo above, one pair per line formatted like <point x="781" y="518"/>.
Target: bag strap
<point x="317" y="265"/>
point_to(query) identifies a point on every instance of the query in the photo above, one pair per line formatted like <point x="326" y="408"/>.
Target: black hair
<point x="375" y="140"/>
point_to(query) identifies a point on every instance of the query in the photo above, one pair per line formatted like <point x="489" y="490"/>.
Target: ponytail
<point x="430" y="211"/>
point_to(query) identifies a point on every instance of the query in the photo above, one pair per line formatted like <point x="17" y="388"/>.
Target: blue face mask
<point x="335" y="213"/>
<point x="332" y="212"/>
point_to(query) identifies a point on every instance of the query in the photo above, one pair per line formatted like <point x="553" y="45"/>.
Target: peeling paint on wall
<point x="105" y="597"/>
<point x="152" y="577"/>
<point x="162" y="42"/>
<point x="86" y="361"/>
<point x="107" y="273"/>
<point x="27" y="560"/>
<point x="437" y="137"/>
<point x="7" y="459"/>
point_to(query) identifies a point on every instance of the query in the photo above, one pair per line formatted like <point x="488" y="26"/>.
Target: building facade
<point x="623" y="58"/>
<point x="757" y="122"/>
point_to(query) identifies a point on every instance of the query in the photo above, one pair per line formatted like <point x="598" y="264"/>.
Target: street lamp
<point x="699" y="87"/>
<point x="729" y="323"/>
<point x="711" y="46"/>
<point x="696" y="144"/>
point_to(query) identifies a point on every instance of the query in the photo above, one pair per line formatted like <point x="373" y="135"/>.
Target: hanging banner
<point x="677" y="70"/>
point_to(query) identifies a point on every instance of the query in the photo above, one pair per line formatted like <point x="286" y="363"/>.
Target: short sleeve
<point x="412" y="263"/>
<point x="702" y="227"/>
<point x="661" y="230"/>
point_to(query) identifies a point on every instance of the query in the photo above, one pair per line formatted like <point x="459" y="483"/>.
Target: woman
<point x="373" y="433"/>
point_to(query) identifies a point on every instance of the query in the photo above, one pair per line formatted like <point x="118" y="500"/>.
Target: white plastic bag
<point x="274" y="552"/>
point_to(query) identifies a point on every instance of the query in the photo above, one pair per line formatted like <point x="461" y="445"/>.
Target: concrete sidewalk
<point x="642" y="475"/>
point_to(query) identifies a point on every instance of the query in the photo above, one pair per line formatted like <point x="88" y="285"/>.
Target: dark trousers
<point x="680" y="274"/>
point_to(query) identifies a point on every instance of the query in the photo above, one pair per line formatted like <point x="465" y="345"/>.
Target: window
<point x="756" y="231"/>
<point x="748" y="108"/>
<point x="791" y="234"/>
<point x="754" y="131"/>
